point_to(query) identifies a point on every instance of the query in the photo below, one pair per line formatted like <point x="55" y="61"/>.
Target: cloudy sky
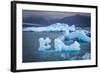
<point x="50" y="14"/>
<point x="45" y="18"/>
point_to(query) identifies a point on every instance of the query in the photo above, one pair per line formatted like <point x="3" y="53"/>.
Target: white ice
<point x="53" y="27"/>
<point x="73" y="47"/>
<point x="44" y="44"/>
<point x="70" y="32"/>
<point x="81" y="35"/>
<point x="60" y="46"/>
<point x="78" y="34"/>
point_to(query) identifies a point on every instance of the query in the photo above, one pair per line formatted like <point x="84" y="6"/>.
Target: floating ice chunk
<point x="73" y="47"/>
<point x="59" y="45"/>
<point x="86" y="56"/>
<point x="81" y="35"/>
<point x="87" y="32"/>
<point x="72" y="28"/>
<point x="44" y="44"/>
<point x="28" y="29"/>
<point x="69" y="35"/>
<point x="38" y="29"/>
<point x="66" y="33"/>
<point x="52" y="27"/>
<point x="57" y="27"/>
<point x="62" y="38"/>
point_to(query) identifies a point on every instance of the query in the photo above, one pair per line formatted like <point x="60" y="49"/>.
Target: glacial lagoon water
<point x="32" y="54"/>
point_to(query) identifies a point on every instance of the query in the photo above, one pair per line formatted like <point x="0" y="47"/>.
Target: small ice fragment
<point x="86" y="56"/>
<point x="44" y="44"/>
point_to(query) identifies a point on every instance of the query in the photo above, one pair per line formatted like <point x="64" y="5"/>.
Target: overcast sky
<point x="50" y="14"/>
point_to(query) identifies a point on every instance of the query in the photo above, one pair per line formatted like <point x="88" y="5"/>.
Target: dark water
<point x="31" y="45"/>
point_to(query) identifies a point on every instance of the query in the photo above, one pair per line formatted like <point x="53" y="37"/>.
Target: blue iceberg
<point x="44" y="44"/>
<point x="53" y="27"/>
<point x="86" y="56"/>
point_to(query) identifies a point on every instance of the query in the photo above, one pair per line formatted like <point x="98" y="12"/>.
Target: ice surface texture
<point x="53" y="27"/>
<point x="44" y="44"/>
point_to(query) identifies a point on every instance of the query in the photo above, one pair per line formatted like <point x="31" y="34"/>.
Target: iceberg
<point x="73" y="47"/>
<point x="38" y="29"/>
<point x="53" y="27"/>
<point x="69" y="35"/>
<point x="44" y="44"/>
<point x="81" y="35"/>
<point x="70" y="32"/>
<point x="78" y="34"/>
<point x="60" y="46"/>
<point x="86" y="56"/>
<point x="72" y="28"/>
